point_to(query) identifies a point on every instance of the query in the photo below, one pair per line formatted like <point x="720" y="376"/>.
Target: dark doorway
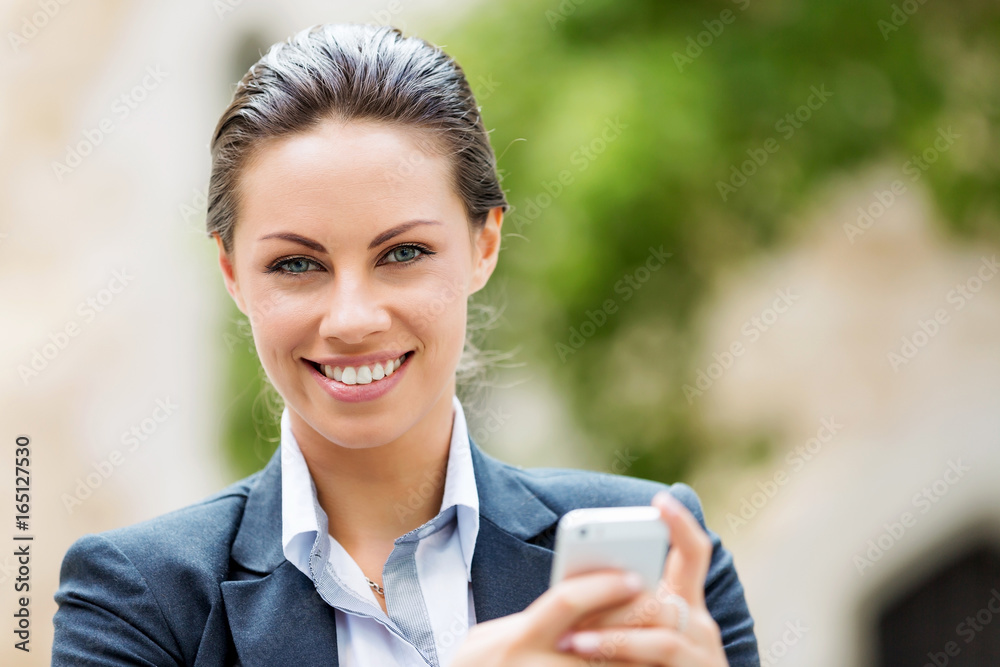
<point x="950" y="618"/>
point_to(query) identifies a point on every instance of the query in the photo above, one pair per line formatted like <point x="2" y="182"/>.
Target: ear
<point x="229" y="274"/>
<point x="487" y="249"/>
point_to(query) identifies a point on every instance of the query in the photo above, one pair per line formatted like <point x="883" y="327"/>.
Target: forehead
<point x="360" y="175"/>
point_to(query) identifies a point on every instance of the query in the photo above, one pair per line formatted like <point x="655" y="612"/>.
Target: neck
<point x="375" y="494"/>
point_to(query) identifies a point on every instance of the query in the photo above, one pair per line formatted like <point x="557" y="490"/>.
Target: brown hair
<point x="352" y="72"/>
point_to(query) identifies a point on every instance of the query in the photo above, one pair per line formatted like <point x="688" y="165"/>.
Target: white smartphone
<point x="627" y="538"/>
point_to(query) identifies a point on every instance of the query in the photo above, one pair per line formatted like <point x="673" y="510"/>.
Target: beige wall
<point x="811" y="509"/>
<point x="132" y="208"/>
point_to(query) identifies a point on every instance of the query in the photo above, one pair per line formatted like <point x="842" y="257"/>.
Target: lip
<point x="357" y="393"/>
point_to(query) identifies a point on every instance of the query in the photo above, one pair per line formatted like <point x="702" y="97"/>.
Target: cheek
<point x="438" y="315"/>
<point x="279" y="323"/>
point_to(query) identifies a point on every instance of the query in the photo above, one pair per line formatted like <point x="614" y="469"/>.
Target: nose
<point x="353" y="310"/>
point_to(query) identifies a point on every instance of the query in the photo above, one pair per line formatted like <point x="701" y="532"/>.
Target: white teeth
<point x="362" y="374"/>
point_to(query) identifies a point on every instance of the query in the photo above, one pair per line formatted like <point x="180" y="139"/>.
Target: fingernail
<point x="586" y="642"/>
<point x="633" y="581"/>
<point x="665" y="500"/>
<point x="565" y="642"/>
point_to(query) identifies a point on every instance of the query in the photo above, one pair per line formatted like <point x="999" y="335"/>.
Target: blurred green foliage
<point x="251" y="415"/>
<point x="551" y="74"/>
<point x="643" y="122"/>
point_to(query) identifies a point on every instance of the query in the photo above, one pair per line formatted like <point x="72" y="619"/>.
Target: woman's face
<point x="353" y="258"/>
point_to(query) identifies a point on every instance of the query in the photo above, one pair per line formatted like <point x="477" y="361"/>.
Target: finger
<point x="690" y="550"/>
<point x="580" y="660"/>
<point x="643" y="611"/>
<point x="566" y="603"/>
<point x="631" y="613"/>
<point x="655" y="646"/>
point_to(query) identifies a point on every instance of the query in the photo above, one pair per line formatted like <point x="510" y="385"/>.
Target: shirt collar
<point x="298" y="493"/>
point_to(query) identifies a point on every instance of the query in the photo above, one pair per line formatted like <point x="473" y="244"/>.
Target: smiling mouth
<point x="350" y="375"/>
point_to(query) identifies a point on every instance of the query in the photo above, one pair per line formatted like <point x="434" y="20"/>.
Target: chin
<point x="358" y="432"/>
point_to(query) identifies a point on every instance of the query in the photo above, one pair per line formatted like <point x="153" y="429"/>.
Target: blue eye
<point x="292" y="265"/>
<point x="299" y="266"/>
<point x="405" y="253"/>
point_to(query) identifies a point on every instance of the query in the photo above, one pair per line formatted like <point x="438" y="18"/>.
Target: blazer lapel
<point x="508" y="573"/>
<point x="280" y="620"/>
<point x="275" y="615"/>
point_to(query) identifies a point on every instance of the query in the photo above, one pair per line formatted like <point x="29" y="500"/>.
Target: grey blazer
<point x="210" y="585"/>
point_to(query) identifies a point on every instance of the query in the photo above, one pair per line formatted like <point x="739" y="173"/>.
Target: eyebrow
<point x="295" y="238"/>
<point x="397" y="230"/>
<point x="376" y="242"/>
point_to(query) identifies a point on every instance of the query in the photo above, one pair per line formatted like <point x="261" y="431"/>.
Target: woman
<point x="356" y="206"/>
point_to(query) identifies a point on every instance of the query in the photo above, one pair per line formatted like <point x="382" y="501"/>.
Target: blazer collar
<point x="257" y="546"/>
<point x="508" y="572"/>
<point x="503" y="500"/>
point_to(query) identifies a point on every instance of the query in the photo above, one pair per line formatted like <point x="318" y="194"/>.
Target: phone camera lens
<point x="583" y="532"/>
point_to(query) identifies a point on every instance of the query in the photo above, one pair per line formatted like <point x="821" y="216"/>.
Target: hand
<point x="644" y="630"/>
<point x="528" y="638"/>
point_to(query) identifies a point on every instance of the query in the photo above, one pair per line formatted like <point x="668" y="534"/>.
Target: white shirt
<point x="366" y="636"/>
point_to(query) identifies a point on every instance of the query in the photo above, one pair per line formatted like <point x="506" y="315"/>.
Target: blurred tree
<point x="701" y="128"/>
<point x="629" y="130"/>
